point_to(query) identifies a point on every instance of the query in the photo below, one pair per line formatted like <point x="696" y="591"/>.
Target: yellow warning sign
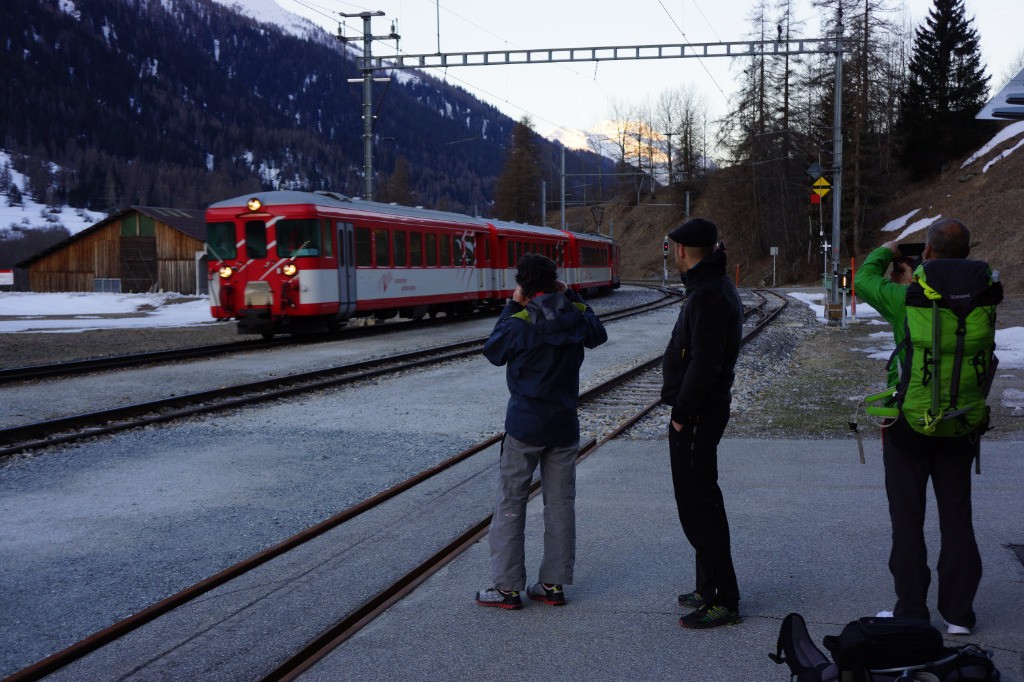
<point x="821" y="187"/>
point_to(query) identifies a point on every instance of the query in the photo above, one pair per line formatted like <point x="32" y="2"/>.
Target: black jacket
<point x="699" y="364"/>
<point x="542" y="344"/>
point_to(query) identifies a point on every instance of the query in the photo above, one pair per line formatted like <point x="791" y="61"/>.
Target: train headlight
<point x="290" y="269"/>
<point x="254" y="204"/>
<point x="225" y="271"/>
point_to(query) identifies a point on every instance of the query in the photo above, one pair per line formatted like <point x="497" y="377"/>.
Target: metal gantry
<point x="369" y="63"/>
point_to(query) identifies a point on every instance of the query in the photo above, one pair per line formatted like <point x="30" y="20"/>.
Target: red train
<point x="307" y="261"/>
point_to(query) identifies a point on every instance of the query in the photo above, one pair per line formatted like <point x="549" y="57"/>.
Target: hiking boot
<point x="502" y="599"/>
<point x="550" y="594"/>
<point x="710" y="617"/>
<point x="691" y="600"/>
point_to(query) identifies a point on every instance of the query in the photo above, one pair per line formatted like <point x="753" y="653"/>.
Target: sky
<point x="579" y="95"/>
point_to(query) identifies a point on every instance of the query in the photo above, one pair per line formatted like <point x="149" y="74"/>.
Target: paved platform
<point x="810" y="534"/>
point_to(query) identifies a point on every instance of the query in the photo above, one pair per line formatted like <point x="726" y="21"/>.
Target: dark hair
<point x="536" y="274"/>
<point x="949" y="239"/>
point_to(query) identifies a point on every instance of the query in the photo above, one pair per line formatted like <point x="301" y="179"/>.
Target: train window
<point x="220" y="240"/>
<point x="327" y="238"/>
<point x="382" y="257"/>
<point x="255" y="239"/>
<point x="487" y="250"/>
<point x="298" y="238"/>
<point x="469" y="254"/>
<point x="431" y="249"/>
<point x="364" y="254"/>
<point x="400" y="249"/>
<point x="511" y="254"/>
<point x="415" y="249"/>
<point x="446" y="249"/>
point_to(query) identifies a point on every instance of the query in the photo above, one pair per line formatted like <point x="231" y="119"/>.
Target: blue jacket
<point x="542" y="344"/>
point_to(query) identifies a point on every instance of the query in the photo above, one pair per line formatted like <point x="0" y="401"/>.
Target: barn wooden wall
<point x="74" y="266"/>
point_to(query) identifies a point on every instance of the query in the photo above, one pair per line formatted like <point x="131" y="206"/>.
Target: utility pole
<point x="366" y="66"/>
<point x="837" y="167"/>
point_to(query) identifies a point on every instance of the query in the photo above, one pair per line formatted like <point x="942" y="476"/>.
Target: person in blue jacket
<point x="540" y="337"/>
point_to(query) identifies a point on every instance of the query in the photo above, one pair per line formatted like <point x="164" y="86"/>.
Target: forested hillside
<point x="108" y="103"/>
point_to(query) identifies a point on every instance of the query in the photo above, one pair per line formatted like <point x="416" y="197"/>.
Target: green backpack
<point x="949" y="361"/>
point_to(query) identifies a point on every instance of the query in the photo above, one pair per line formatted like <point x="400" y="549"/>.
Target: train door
<point x="569" y="260"/>
<point x="495" y="272"/>
<point x="346" y="270"/>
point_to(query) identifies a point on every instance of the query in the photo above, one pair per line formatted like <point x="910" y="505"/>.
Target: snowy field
<point x="78" y="312"/>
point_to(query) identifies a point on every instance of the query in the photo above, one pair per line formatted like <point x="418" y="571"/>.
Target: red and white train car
<point x="306" y="261"/>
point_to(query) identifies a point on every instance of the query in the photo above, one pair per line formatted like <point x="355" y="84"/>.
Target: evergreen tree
<point x="947" y="85"/>
<point x="517" y="192"/>
<point x="396" y="188"/>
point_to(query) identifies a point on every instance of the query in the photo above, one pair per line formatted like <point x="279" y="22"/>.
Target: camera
<point x="911" y="254"/>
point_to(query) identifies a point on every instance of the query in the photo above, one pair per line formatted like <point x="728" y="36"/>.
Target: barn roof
<point x="190" y="222"/>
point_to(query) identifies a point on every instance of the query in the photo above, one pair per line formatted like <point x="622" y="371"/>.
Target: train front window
<point x="298" y="238"/>
<point x="255" y="239"/>
<point x="220" y="241"/>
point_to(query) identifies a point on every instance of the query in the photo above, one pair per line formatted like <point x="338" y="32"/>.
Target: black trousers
<point x="694" y="457"/>
<point x="910" y="460"/>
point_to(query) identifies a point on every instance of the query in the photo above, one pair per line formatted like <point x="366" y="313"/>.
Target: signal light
<point x="664" y="246"/>
<point x="254" y="204"/>
<point x="846" y="280"/>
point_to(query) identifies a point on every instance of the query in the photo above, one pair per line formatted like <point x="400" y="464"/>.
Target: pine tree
<point x="517" y="192"/>
<point x="396" y="188"/>
<point x="947" y="85"/>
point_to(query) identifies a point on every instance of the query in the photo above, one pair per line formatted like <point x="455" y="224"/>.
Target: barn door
<point x="138" y="264"/>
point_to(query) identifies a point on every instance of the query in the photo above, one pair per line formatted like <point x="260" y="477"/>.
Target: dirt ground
<point x="831" y="372"/>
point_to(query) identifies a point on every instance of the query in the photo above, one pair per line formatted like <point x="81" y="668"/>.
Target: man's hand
<point x="561" y="286"/>
<point x="677" y="426"/>
<point x="893" y="246"/>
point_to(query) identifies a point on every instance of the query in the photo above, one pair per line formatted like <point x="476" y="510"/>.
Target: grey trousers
<point x="508" y="527"/>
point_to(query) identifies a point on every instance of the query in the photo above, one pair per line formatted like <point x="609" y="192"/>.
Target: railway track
<point x="18" y="439"/>
<point x="635" y="387"/>
<point x="103" y="364"/>
<point x="91" y="365"/>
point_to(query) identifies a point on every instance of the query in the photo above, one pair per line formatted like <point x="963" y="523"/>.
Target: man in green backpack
<point x="936" y="426"/>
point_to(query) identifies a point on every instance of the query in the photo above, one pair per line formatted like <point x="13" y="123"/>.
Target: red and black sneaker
<point x="550" y="594"/>
<point x="502" y="599"/>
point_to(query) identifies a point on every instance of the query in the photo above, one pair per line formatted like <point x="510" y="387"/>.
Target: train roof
<point x="594" y="237"/>
<point x="335" y="200"/>
<point x="526" y="227"/>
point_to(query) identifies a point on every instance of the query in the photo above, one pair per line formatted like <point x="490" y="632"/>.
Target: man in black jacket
<point x="540" y="336"/>
<point x="698" y="369"/>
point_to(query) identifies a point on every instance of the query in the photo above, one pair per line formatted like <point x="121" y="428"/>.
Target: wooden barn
<point x="141" y="249"/>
